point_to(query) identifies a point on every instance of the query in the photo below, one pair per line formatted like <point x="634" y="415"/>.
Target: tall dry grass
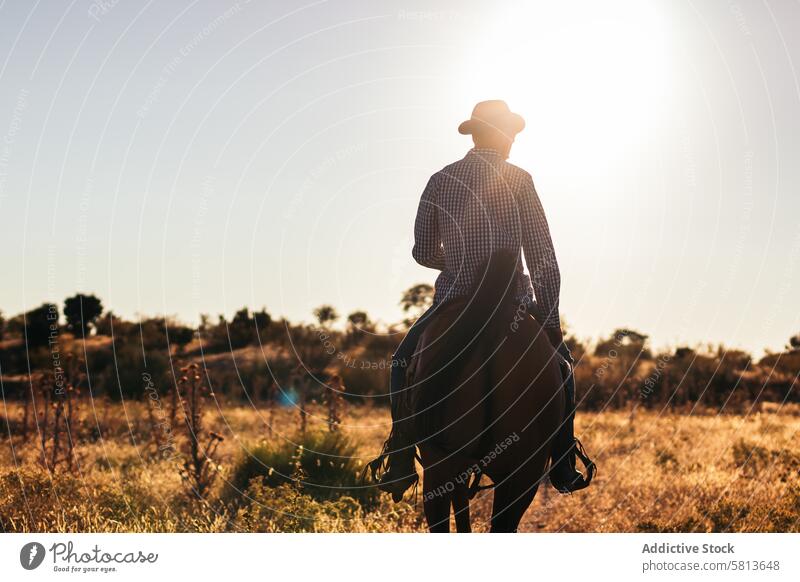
<point x="658" y="472"/>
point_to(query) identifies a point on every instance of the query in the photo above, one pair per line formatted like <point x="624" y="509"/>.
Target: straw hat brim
<point x="509" y="123"/>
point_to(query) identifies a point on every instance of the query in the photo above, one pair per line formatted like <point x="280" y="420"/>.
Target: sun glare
<point x="594" y="83"/>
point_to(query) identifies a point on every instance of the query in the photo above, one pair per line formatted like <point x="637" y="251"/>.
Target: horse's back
<point x="499" y="404"/>
<point x="527" y="403"/>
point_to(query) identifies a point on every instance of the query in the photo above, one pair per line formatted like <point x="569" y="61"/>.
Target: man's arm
<point x="428" y="250"/>
<point x="540" y="257"/>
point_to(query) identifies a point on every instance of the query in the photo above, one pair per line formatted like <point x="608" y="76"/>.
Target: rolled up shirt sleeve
<point x="428" y="250"/>
<point x="540" y="256"/>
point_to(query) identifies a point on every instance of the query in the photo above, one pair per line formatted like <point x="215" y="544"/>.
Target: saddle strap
<point x="476" y="486"/>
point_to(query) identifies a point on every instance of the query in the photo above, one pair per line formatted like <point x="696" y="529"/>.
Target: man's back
<point x="476" y="206"/>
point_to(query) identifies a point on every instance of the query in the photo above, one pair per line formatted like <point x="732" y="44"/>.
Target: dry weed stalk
<point x="334" y="402"/>
<point x="301" y="389"/>
<point x="271" y="397"/>
<point x="201" y="466"/>
<point x="301" y="403"/>
<point x="27" y="397"/>
<point x="58" y="436"/>
<point x="161" y="426"/>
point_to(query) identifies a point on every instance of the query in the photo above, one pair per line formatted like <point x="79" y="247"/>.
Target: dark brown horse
<point x="489" y="403"/>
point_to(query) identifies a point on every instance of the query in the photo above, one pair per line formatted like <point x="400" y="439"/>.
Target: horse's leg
<point x="460" y="499"/>
<point x="436" y="502"/>
<point x="435" y="494"/>
<point x="510" y="503"/>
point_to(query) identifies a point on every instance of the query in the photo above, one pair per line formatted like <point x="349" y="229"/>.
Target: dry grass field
<point x="670" y="472"/>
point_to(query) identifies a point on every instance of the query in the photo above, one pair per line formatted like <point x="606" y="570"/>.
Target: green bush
<point x="323" y="466"/>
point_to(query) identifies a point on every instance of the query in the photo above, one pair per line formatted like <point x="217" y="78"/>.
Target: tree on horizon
<point x="326" y="314"/>
<point x="81" y="313"/>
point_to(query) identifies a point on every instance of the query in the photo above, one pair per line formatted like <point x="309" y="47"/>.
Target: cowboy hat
<point x="495" y="114"/>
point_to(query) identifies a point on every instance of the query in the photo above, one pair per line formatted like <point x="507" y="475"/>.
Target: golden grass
<point x="657" y="473"/>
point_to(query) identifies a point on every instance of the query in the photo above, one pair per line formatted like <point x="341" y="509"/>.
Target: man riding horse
<point x="469" y="210"/>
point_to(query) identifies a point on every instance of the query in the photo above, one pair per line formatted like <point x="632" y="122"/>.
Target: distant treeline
<point x="253" y="357"/>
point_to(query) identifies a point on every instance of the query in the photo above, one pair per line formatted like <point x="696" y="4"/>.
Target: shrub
<point x="754" y="460"/>
<point x="287" y="509"/>
<point x="366" y="382"/>
<point x="123" y="376"/>
<point x="728" y="516"/>
<point x="284" y="509"/>
<point x="666" y="458"/>
<point x="327" y="461"/>
<point x="37" y="326"/>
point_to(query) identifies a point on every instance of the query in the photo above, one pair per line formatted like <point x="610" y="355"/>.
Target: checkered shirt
<point x="474" y="207"/>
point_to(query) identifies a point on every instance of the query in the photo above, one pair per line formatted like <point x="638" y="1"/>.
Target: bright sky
<point x="192" y="157"/>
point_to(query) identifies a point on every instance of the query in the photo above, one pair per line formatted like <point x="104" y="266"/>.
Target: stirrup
<point x="578" y="481"/>
<point x="591" y="467"/>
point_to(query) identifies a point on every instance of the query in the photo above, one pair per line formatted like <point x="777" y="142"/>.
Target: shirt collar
<point x="488" y="153"/>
